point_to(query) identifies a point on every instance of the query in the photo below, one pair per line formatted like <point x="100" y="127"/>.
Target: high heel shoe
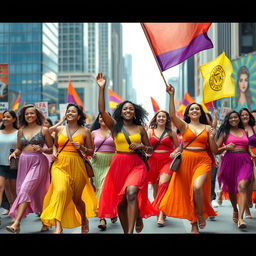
<point x="241" y="224"/>
<point x="13" y="230"/>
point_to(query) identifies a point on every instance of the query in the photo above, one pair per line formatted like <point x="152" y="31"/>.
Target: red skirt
<point x="159" y="163"/>
<point x="125" y="170"/>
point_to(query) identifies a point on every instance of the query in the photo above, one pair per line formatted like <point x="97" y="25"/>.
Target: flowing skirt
<point x="32" y="182"/>
<point x="69" y="183"/>
<point x="234" y="168"/>
<point x="125" y="170"/>
<point x="178" y="201"/>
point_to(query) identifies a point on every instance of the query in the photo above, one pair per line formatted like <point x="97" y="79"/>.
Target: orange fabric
<point x="69" y="147"/>
<point x="201" y="141"/>
<point x="178" y="201"/>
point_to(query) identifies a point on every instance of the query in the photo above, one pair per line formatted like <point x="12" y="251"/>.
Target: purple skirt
<point x="234" y="167"/>
<point x="32" y="182"/>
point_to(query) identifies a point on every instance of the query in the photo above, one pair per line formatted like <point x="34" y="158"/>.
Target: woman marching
<point x="70" y="199"/>
<point x="32" y="179"/>
<point x="164" y="141"/>
<point x="104" y="151"/>
<point x="235" y="173"/>
<point x="189" y="193"/>
<point x="125" y="189"/>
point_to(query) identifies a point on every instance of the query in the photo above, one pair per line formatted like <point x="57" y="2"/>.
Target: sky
<point x="147" y="79"/>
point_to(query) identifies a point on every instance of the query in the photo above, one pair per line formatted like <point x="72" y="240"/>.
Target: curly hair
<point x="21" y="115"/>
<point x="251" y="117"/>
<point x="202" y="119"/>
<point x="82" y="118"/>
<point x="13" y="114"/>
<point x="225" y="126"/>
<point x="139" y="119"/>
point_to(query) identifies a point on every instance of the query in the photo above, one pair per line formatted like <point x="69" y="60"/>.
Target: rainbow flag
<point x="113" y="99"/>
<point x="155" y="105"/>
<point x="173" y="43"/>
<point x="72" y="96"/>
<point x="17" y="102"/>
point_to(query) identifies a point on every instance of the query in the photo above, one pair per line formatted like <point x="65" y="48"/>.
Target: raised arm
<point x="179" y="123"/>
<point x="108" y="120"/>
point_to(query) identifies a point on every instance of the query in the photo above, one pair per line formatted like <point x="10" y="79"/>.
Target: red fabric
<point x="160" y="194"/>
<point x="125" y="170"/>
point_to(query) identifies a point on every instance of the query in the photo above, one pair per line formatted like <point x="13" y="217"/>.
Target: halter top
<point x="165" y="144"/>
<point x="37" y="139"/>
<point x="107" y="146"/>
<point x="240" y="142"/>
<point x="201" y="141"/>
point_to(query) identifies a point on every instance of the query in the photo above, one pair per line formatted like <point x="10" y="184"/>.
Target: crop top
<point x="69" y="147"/>
<point x="37" y="139"/>
<point x="201" y="141"/>
<point x="165" y="144"/>
<point x="252" y="139"/>
<point x="240" y="142"/>
<point x="122" y="144"/>
<point x="107" y="146"/>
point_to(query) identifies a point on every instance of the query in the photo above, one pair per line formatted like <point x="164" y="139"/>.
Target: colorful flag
<point x="218" y="80"/>
<point x="155" y="105"/>
<point x="173" y="43"/>
<point x="72" y="96"/>
<point x="17" y="103"/>
<point x="187" y="99"/>
<point x="113" y="99"/>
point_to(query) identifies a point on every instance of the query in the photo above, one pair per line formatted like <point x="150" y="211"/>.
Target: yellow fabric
<point x="69" y="183"/>
<point x="122" y="144"/>
<point x="69" y="147"/>
<point x="218" y="80"/>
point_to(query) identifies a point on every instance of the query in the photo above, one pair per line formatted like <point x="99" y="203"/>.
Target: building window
<point x="247" y="34"/>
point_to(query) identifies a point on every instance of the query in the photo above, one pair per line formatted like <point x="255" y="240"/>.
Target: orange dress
<point x="178" y="201"/>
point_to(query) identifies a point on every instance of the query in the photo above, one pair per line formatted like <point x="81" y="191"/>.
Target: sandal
<point x="59" y="232"/>
<point x="194" y="228"/>
<point x="13" y="230"/>
<point x="114" y="220"/>
<point x="102" y="227"/>
<point x="160" y="223"/>
<point x="201" y="222"/>
<point x="44" y="228"/>
<point x="85" y="227"/>
<point x="139" y="225"/>
<point x="235" y="217"/>
<point x="241" y="224"/>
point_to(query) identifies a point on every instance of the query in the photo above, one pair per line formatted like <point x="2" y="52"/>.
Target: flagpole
<point x="160" y="70"/>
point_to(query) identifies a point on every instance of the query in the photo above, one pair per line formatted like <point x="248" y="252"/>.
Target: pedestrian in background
<point x="189" y="193"/>
<point x="8" y="141"/>
<point x="164" y="141"/>
<point x="70" y="199"/>
<point x="32" y="178"/>
<point x="104" y="150"/>
<point x="125" y="189"/>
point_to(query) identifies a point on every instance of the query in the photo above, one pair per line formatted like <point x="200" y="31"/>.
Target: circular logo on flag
<point x="217" y="78"/>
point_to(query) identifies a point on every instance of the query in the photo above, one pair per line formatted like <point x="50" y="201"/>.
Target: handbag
<point x="87" y="163"/>
<point x="175" y="164"/>
<point x="14" y="162"/>
<point x="139" y="152"/>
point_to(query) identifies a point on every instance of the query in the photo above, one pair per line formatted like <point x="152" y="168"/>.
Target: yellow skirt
<point x="69" y="183"/>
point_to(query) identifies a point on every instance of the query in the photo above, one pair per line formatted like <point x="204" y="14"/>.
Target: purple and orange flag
<point x="173" y="43"/>
<point x="154" y="105"/>
<point x="72" y="96"/>
<point x="113" y="99"/>
<point x="17" y="102"/>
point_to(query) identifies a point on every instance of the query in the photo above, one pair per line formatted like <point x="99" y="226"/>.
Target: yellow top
<point x="122" y="144"/>
<point x="69" y="147"/>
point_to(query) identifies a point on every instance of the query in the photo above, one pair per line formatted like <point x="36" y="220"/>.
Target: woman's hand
<point x="37" y="148"/>
<point x="11" y="156"/>
<point x="54" y="156"/>
<point x="230" y="146"/>
<point x="134" y="146"/>
<point x="212" y="132"/>
<point x="170" y="89"/>
<point x="77" y="145"/>
<point x="101" y="81"/>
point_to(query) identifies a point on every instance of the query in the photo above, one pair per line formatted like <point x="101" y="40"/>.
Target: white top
<point x="7" y="142"/>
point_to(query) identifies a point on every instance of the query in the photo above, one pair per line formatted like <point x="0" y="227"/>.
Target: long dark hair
<point x="96" y="124"/>
<point x="82" y="118"/>
<point x="140" y="116"/>
<point x="202" y="119"/>
<point x="21" y="115"/>
<point x="13" y="114"/>
<point x="251" y="117"/>
<point x="225" y="126"/>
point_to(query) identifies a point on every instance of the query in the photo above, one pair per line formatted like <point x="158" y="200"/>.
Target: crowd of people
<point x="126" y="155"/>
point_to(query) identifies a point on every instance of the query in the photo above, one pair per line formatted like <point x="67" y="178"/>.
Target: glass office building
<point x="31" y="52"/>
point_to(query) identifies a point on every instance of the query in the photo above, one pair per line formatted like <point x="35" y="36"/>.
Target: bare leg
<point x="122" y="214"/>
<point x="58" y="227"/>
<point x="232" y="198"/>
<point x="2" y="187"/>
<point x="154" y="186"/>
<point x="80" y="206"/>
<point x="10" y="190"/>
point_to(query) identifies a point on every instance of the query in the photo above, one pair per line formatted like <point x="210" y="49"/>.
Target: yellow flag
<point x="218" y="80"/>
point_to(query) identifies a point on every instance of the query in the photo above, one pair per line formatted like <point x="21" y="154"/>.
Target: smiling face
<point x="8" y="119"/>
<point x="128" y="111"/>
<point x="72" y="114"/>
<point x="243" y="82"/>
<point x="194" y="112"/>
<point x="161" y="118"/>
<point x="30" y="115"/>
<point x="245" y="117"/>
<point x="234" y="120"/>
<point x="101" y="122"/>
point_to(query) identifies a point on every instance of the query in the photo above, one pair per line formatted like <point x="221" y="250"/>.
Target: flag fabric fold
<point x="72" y="96"/>
<point x="154" y="105"/>
<point x="173" y="43"/>
<point x="113" y="99"/>
<point x="218" y="80"/>
<point x="17" y="102"/>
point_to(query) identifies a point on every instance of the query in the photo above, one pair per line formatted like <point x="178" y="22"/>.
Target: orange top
<point x="201" y="141"/>
<point x="69" y="147"/>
